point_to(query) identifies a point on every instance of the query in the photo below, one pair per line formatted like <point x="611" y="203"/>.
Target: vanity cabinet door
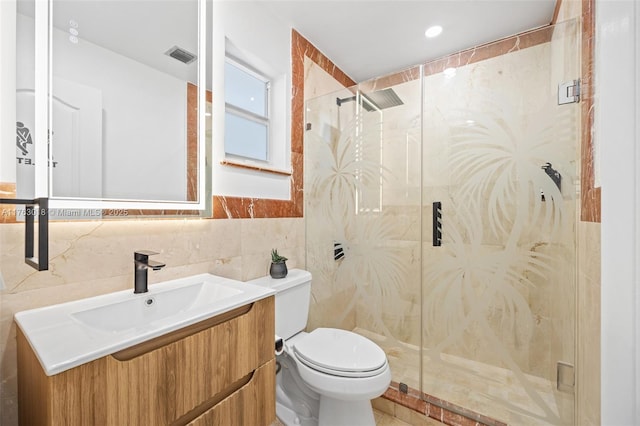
<point x="162" y="385"/>
<point x="254" y="404"/>
<point x="74" y="397"/>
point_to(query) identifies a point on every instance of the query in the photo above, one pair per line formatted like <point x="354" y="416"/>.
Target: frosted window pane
<point x="245" y="138"/>
<point x="244" y="90"/>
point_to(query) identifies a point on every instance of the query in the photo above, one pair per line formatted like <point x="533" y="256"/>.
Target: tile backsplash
<point x="96" y="257"/>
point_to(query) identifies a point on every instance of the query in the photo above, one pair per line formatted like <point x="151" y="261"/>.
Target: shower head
<point x="375" y="101"/>
<point x="383" y="99"/>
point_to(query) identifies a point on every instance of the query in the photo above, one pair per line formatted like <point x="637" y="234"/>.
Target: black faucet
<point x="141" y="264"/>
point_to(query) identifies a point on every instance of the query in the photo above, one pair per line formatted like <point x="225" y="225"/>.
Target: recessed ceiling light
<point x="433" y="31"/>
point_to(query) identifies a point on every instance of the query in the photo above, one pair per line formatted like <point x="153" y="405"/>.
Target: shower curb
<point x="436" y="408"/>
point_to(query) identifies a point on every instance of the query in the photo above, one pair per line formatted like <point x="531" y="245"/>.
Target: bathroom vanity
<point x="216" y="371"/>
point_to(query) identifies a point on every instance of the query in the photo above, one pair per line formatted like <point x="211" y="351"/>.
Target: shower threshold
<point x="485" y="389"/>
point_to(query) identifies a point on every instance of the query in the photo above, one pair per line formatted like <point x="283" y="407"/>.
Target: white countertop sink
<point x="70" y="334"/>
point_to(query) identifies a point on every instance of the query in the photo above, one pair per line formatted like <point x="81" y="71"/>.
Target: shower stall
<point x="441" y="208"/>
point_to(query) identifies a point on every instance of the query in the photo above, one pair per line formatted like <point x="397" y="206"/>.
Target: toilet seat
<point x="340" y="353"/>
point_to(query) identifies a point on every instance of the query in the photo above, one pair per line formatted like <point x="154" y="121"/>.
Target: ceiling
<point x="367" y="39"/>
<point x="364" y="38"/>
<point x="135" y="30"/>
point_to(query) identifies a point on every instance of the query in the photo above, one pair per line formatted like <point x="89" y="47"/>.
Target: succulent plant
<point x="276" y="258"/>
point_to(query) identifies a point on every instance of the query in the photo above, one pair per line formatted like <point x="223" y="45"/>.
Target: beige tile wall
<point x="92" y="258"/>
<point x="588" y="342"/>
<point x="330" y="303"/>
<point x="554" y="298"/>
<point x="587" y="400"/>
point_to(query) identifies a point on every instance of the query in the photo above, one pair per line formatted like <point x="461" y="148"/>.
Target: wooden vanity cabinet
<point x="220" y="371"/>
<point x="244" y="406"/>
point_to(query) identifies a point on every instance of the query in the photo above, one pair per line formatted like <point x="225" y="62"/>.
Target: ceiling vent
<point x="181" y="54"/>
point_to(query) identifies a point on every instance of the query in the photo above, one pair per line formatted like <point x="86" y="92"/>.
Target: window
<point x="246" y="128"/>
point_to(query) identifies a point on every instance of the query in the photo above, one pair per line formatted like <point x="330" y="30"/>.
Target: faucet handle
<point x="145" y="252"/>
<point x="142" y="256"/>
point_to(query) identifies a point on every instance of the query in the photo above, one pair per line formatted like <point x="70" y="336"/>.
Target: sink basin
<point x="70" y="334"/>
<point x="147" y="308"/>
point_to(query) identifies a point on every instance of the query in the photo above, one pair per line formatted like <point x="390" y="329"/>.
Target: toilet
<point x="327" y="376"/>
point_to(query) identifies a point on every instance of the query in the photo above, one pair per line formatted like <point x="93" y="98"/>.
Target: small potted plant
<point x="278" y="266"/>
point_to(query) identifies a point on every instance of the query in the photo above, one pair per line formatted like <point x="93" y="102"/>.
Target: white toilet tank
<point x="293" y="294"/>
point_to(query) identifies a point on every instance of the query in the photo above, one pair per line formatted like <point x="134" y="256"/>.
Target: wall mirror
<point x="125" y="103"/>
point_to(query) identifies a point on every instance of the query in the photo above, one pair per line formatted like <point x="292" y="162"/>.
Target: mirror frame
<point x="43" y="119"/>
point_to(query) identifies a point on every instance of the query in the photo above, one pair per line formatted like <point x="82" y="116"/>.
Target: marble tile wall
<point x="588" y="229"/>
<point x="7" y="211"/>
<point x="331" y="298"/>
<point x="588" y="342"/>
<point x="587" y="292"/>
<point x="95" y="257"/>
<point x="237" y="249"/>
<point x="551" y="299"/>
<point x="591" y="196"/>
<point x="499" y="77"/>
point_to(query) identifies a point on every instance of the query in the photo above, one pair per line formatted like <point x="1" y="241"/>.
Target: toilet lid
<point x="341" y="353"/>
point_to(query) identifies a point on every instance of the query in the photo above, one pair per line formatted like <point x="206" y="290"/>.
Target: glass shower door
<point x="499" y="287"/>
<point x="362" y="216"/>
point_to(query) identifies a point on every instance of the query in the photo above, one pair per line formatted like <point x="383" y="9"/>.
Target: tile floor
<point x="384" y="419"/>
<point x="488" y="390"/>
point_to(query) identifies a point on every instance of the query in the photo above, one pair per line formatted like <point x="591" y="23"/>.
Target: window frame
<point x="249" y="115"/>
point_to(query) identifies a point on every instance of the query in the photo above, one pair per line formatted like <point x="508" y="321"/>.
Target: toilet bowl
<point x="329" y="359"/>
<point x="327" y="376"/>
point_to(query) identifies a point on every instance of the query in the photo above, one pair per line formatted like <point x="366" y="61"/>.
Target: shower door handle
<point x="437" y="223"/>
